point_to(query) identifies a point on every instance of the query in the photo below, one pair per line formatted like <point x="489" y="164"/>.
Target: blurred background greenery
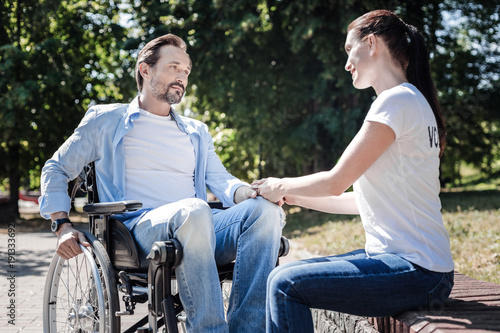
<point x="268" y="78"/>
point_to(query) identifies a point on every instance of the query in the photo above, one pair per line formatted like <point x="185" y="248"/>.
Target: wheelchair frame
<point x="113" y="266"/>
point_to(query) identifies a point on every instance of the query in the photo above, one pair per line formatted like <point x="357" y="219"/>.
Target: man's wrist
<point x="56" y="225"/>
<point x="58" y="215"/>
<point x="63" y="228"/>
<point x="240" y="194"/>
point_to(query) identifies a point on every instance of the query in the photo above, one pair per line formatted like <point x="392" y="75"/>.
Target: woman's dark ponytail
<point x="418" y="73"/>
<point x="407" y="48"/>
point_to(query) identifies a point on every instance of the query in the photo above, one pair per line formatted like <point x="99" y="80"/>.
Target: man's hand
<point x="68" y="241"/>
<point x="243" y="193"/>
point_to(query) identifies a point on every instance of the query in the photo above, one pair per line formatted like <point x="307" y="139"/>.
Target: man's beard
<point x="171" y="96"/>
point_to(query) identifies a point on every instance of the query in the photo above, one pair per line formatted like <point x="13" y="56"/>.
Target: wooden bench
<point x="474" y="306"/>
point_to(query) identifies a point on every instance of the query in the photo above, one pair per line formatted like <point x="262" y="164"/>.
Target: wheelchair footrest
<point x="130" y="299"/>
<point x="124" y="313"/>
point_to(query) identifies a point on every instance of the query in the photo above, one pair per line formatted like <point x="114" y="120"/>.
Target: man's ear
<point x="144" y="70"/>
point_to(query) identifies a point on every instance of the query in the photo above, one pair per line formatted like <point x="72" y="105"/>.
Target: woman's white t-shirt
<point x="398" y="196"/>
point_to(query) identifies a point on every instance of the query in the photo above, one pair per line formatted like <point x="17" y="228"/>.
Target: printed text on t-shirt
<point x="433" y="136"/>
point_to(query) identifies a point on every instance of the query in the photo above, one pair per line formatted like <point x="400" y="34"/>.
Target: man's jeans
<point x="375" y="286"/>
<point x="248" y="233"/>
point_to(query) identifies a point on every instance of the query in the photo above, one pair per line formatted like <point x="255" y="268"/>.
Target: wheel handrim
<point x="75" y="303"/>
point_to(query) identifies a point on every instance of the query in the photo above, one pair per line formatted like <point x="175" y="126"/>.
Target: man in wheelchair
<point x="146" y="151"/>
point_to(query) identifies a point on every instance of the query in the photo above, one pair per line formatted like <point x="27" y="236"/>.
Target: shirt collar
<point x="133" y="108"/>
<point x="134" y="113"/>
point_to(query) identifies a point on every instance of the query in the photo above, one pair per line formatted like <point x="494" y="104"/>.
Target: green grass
<point x="472" y="219"/>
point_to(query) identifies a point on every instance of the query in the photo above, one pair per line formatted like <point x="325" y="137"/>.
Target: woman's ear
<point x="372" y="42"/>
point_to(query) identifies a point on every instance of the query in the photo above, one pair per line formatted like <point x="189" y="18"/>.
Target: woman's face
<point x="358" y="52"/>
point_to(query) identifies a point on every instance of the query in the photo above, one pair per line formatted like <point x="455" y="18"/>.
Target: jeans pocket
<point x="439" y="294"/>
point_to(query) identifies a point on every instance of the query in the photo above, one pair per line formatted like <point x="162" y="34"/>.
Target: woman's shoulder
<point x="404" y="97"/>
<point x="400" y="92"/>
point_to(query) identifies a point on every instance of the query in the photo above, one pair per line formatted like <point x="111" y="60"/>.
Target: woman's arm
<point x="368" y="145"/>
<point x="342" y="204"/>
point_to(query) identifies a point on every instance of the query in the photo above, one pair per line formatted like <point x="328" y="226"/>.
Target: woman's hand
<point x="270" y="189"/>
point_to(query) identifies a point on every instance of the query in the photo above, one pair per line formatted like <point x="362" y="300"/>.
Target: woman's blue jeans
<point x="248" y="233"/>
<point x="375" y="286"/>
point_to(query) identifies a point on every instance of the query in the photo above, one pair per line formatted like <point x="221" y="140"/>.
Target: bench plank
<point x="474" y="306"/>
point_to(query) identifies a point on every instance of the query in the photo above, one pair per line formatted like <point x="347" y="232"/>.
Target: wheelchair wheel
<point x="181" y="317"/>
<point x="81" y="294"/>
<point x="226" y="287"/>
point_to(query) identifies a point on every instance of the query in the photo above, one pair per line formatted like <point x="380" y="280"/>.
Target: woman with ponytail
<point x="393" y="165"/>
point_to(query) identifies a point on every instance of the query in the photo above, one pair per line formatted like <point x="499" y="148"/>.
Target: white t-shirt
<point x="159" y="161"/>
<point x="398" y="196"/>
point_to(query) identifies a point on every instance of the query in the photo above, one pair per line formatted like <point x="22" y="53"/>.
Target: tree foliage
<point x="467" y="65"/>
<point x="269" y="76"/>
<point x="56" y="58"/>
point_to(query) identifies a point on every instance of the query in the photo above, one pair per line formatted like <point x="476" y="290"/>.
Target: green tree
<point x="269" y="75"/>
<point x="466" y="61"/>
<point x="56" y="57"/>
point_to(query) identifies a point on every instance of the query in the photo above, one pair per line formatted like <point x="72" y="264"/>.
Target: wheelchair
<point x="83" y="294"/>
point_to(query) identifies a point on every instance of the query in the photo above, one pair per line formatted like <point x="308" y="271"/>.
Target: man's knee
<point x="269" y="217"/>
<point x="196" y="227"/>
<point x="196" y="211"/>
<point x="263" y="224"/>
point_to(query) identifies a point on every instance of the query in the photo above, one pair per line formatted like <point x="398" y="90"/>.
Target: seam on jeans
<point x="310" y="276"/>
<point x="235" y="288"/>
<point x="290" y="286"/>
<point x="343" y="276"/>
<point x="188" y="295"/>
<point x="440" y="283"/>
<point x="228" y="225"/>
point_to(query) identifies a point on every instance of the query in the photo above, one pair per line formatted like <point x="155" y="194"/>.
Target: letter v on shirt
<point x="159" y="161"/>
<point x="433" y="136"/>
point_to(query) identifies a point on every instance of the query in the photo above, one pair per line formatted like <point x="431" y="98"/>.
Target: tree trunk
<point x="9" y="211"/>
<point x="14" y="182"/>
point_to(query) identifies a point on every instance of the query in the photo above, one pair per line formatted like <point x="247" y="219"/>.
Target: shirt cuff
<point x="56" y="202"/>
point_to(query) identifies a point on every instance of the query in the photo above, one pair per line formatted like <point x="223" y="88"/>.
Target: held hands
<point x="68" y="241"/>
<point x="271" y="189"/>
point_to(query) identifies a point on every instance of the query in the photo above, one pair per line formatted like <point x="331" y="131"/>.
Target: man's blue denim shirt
<point x="99" y="138"/>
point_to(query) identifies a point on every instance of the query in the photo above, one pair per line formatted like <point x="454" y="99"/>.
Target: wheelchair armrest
<point x="103" y="208"/>
<point x="216" y="204"/>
